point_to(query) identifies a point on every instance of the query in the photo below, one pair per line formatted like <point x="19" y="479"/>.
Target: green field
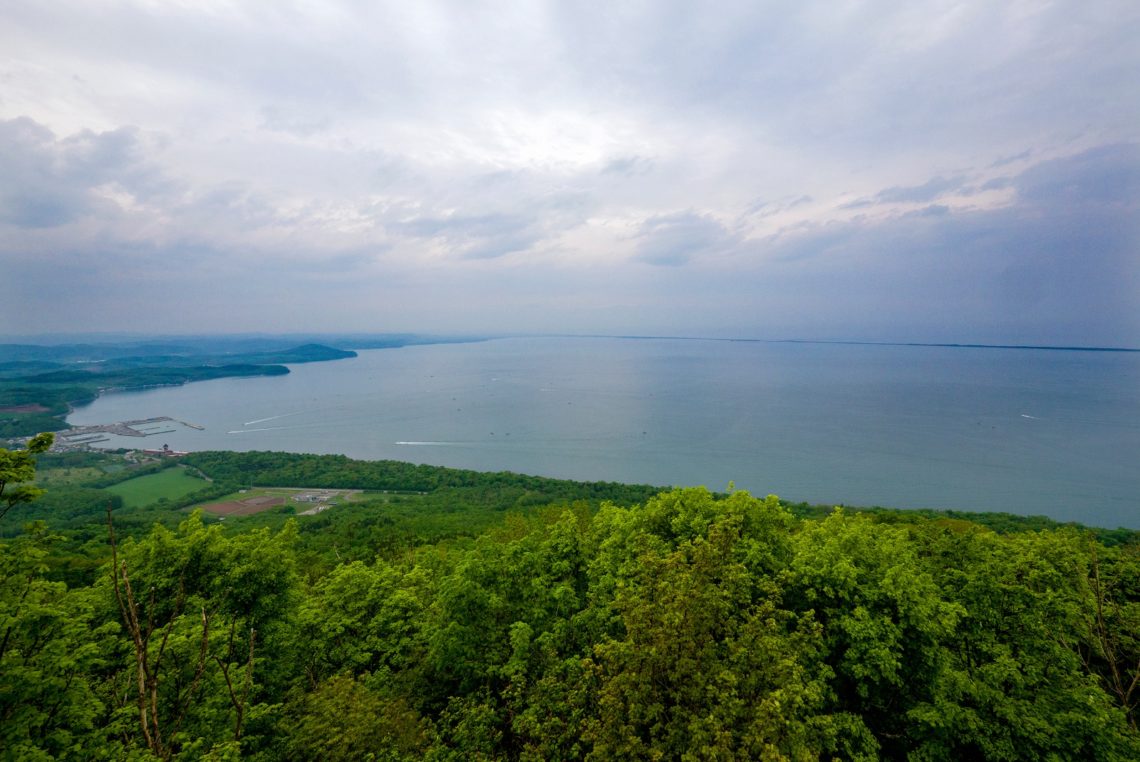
<point x="144" y="490"/>
<point x="68" y="475"/>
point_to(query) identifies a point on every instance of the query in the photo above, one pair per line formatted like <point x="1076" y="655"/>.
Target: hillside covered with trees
<point x="463" y="616"/>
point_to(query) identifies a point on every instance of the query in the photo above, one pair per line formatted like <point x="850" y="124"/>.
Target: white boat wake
<point x="271" y="418"/>
<point x="265" y="428"/>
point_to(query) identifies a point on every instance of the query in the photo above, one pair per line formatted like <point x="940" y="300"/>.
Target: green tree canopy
<point x="17" y="470"/>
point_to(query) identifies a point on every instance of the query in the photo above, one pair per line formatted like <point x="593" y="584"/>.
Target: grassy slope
<point x="143" y="490"/>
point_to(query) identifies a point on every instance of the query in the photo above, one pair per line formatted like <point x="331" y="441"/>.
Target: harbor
<point x="81" y="436"/>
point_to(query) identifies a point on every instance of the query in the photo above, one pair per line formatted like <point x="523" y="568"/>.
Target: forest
<point x="455" y="615"/>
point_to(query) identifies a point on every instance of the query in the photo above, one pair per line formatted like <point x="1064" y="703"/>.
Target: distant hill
<point x="39" y="384"/>
<point x="235" y="349"/>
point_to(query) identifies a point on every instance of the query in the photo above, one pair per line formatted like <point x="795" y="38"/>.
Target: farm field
<point x="143" y="490"/>
<point x="245" y="506"/>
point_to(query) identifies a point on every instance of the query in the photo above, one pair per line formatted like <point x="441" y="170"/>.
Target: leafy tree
<point x="17" y="470"/>
<point x="1110" y="646"/>
<point x="487" y="619"/>
<point x="344" y="720"/>
<point x="360" y="619"/>
<point x="884" y="620"/>
<point x="198" y="608"/>
<point x="704" y="670"/>
<point x="1012" y="684"/>
<point x="51" y="658"/>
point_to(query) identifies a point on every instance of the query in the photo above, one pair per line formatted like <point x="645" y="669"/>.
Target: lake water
<point x="1026" y="431"/>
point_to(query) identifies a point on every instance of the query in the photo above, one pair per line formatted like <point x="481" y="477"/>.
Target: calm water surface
<point x="1026" y="431"/>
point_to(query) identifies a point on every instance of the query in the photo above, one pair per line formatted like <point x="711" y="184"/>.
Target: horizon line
<point x="128" y="336"/>
<point x="946" y="344"/>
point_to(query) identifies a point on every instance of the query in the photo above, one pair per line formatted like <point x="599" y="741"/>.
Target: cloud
<point x="486" y="236"/>
<point x="46" y="182"/>
<point x="934" y="188"/>
<point x="627" y="166"/>
<point x="841" y="167"/>
<point x="293" y="121"/>
<point x="675" y="239"/>
<point x="1107" y="174"/>
<point x="1006" y="160"/>
<point x="762" y="208"/>
<point x="996" y="183"/>
<point x="1059" y="260"/>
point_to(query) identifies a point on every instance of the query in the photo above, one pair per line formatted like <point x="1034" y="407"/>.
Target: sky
<point x="924" y="171"/>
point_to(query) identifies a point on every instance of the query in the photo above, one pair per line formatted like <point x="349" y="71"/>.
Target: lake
<point x="1026" y="431"/>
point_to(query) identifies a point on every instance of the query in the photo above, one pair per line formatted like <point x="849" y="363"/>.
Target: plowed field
<point x="244" y="507"/>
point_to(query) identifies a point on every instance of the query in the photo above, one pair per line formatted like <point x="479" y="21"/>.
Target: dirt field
<point x="244" y="507"/>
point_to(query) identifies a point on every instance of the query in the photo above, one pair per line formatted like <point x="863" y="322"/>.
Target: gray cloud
<point x="463" y="227"/>
<point x="500" y="246"/>
<point x="486" y="236"/>
<point x="1060" y="261"/>
<point x="293" y="120"/>
<point x="1006" y="160"/>
<point x="997" y="183"/>
<point x="1104" y="175"/>
<point x="528" y="149"/>
<point x="627" y="166"/>
<point x="928" y="191"/>
<point x="762" y="208"/>
<point x="675" y="239"/>
<point x="932" y="189"/>
<point x="46" y="182"/>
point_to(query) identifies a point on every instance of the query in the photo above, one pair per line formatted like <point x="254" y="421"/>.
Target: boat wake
<point x="264" y="428"/>
<point x="271" y="418"/>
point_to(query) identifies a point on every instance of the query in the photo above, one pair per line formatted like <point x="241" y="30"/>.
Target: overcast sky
<point x="931" y="171"/>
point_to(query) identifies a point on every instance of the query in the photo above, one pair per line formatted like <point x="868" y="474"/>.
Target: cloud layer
<point x="940" y="171"/>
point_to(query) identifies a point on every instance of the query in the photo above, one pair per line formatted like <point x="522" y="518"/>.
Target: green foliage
<point x="63" y="507"/>
<point x="202" y="612"/>
<point x="344" y="720"/>
<point x="18" y="470"/>
<point x="23" y="424"/>
<point x="1019" y="654"/>
<point x="491" y="616"/>
<point x="77" y="459"/>
<point x="506" y="489"/>
<point x="705" y="664"/>
<point x="51" y="651"/>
